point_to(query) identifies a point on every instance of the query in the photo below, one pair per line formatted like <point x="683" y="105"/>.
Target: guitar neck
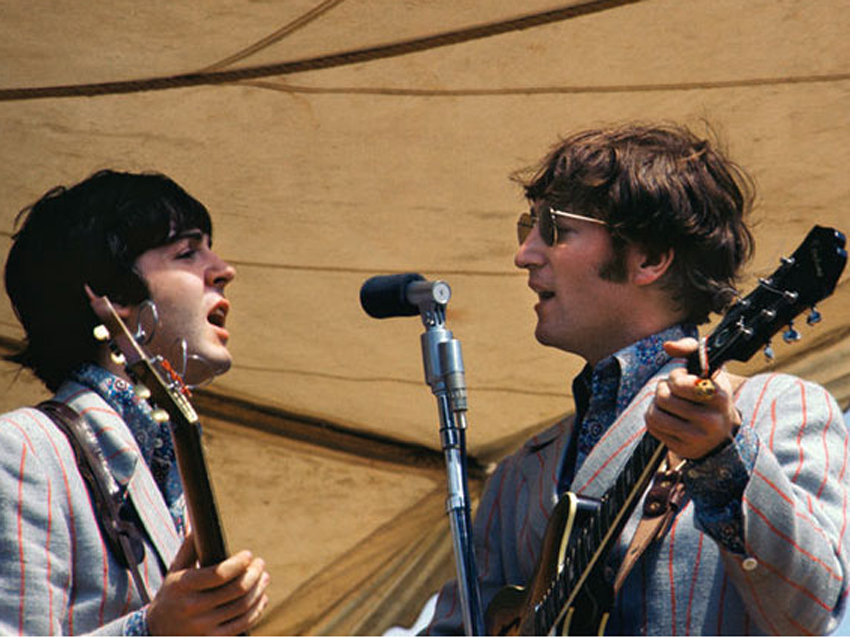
<point x="188" y="447"/>
<point x="590" y="545"/>
<point x="200" y="497"/>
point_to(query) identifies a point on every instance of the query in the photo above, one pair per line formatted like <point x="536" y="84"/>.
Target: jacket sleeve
<point x="39" y="527"/>
<point x="35" y="536"/>
<point x="791" y="568"/>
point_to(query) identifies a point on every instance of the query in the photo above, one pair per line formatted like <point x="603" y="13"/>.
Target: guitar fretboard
<point x="594" y="540"/>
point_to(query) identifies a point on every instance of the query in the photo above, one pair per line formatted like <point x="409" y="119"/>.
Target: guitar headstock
<point x="805" y="278"/>
<point x="154" y="376"/>
<point x="157" y="380"/>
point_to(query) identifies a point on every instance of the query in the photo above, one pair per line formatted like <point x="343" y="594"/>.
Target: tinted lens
<point x="524" y="226"/>
<point x="546" y="226"/>
<point x="528" y="221"/>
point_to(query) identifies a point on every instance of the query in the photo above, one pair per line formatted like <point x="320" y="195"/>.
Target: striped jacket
<point x="793" y="575"/>
<point x="57" y="575"/>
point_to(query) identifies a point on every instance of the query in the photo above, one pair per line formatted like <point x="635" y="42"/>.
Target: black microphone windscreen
<point x="385" y="296"/>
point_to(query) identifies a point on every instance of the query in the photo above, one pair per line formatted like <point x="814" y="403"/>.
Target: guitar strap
<point x="120" y="532"/>
<point x="660" y="505"/>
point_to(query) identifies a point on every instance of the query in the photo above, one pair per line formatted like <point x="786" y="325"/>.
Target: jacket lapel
<point x="155" y="516"/>
<point x="124" y="461"/>
<point x="541" y="464"/>
<point x="606" y="460"/>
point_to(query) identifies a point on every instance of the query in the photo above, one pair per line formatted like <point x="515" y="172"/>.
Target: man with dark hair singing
<point x="634" y="236"/>
<point x="133" y="238"/>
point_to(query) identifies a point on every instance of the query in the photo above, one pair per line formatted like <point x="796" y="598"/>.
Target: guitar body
<point x="588" y="613"/>
<point x="512" y="610"/>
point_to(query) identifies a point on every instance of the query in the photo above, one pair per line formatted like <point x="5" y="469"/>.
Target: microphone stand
<point x="444" y="372"/>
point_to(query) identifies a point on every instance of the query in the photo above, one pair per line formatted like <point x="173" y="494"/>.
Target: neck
<point x="642" y="326"/>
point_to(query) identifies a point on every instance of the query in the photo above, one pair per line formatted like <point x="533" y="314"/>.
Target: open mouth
<point x="218" y="315"/>
<point x="545" y="294"/>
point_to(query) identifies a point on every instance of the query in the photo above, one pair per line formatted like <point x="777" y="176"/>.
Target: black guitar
<point x="156" y="379"/>
<point x="569" y="594"/>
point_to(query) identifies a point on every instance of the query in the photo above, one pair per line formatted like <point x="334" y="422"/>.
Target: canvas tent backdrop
<point x="364" y="137"/>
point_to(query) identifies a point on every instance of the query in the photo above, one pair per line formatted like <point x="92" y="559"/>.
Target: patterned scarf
<point x="602" y="393"/>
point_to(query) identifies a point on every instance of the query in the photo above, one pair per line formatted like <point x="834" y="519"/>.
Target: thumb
<point x="681" y="347"/>
<point x="186" y="556"/>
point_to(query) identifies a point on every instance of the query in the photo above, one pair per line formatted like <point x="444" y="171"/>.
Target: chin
<point x="207" y="365"/>
<point x="221" y="363"/>
<point x="543" y="337"/>
<point x="223" y="367"/>
<point x="553" y="340"/>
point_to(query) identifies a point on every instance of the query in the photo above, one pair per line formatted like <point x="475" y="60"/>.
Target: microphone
<point x="402" y="295"/>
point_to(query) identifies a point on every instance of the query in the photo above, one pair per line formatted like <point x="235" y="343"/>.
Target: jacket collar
<point x="124" y="461"/>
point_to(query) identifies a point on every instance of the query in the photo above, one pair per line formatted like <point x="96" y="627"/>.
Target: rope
<point x="557" y="90"/>
<point x="355" y="56"/>
<point x="277" y="36"/>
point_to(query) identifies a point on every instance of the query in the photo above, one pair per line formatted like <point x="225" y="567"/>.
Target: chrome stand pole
<point x="444" y="372"/>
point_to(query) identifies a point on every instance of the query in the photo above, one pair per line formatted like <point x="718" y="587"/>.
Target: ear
<point x="125" y="312"/>
<point x="122" y="311"/>
<point x="646" y="269"/>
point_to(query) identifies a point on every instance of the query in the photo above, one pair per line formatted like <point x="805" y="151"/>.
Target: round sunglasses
<point x="545" y="220"/>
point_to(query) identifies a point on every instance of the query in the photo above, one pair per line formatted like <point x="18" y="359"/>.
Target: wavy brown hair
<point x="660" y="187"/>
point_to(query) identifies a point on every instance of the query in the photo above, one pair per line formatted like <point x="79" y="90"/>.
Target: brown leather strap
<point x="120" y="533"/>
<point x="659" y="507"/>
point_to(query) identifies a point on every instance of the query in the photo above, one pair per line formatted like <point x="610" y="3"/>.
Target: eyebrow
<point x="193" y="234"/>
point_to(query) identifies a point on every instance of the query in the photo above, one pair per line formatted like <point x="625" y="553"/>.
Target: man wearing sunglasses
<point x="112" y="556"/>
<point x="634" y="236"/>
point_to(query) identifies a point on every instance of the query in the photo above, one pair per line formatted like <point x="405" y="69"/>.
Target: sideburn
<point x="614" y="269"/>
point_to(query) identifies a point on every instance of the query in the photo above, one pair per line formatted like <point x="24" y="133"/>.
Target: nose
<point x="220" y="273"/>
<point x="529" y="254"/>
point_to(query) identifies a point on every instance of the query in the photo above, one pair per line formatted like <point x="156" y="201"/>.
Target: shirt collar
<point x="639" y="361"/>
<point x="628" y="369"/>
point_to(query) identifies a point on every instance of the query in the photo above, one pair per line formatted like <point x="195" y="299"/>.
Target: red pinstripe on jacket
<point x="792" y="575"/>
<point x="57" y="575"/>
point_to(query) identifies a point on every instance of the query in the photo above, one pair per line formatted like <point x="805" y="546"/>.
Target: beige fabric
<point x="320" y="179"/>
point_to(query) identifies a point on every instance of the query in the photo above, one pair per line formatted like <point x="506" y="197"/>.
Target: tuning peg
<point x="118" y="358"/>
<point x="160" y="416"/>
<point x="101" y="332"/>
<point x="768" y="314"/>
<point x="814" y="316"/>
<point x="791" y="334"/>
<point x="142" y="391"/>
<point x="768" y="352"/>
